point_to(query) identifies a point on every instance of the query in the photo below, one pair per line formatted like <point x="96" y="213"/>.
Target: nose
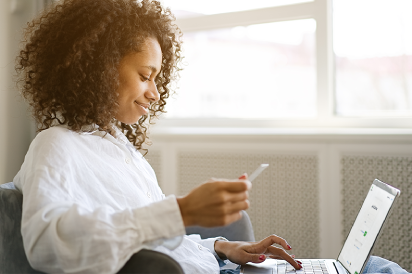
<point x="152" y="93"/>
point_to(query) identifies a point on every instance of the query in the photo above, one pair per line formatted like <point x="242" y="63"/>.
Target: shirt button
<point x="200" y="247"/>
<point x="149" y="195"/>
<point x="127" y="160"/>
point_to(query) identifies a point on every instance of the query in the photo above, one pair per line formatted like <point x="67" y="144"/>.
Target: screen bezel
<point x="391" y="190"/>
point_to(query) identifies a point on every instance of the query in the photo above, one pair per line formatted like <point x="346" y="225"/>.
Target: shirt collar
<point x="94" y="130"/>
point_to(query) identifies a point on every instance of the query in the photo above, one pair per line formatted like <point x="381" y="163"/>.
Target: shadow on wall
<point x="17" y="128"/>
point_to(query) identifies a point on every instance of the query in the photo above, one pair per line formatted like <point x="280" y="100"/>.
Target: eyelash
<point x="145" y="78"/>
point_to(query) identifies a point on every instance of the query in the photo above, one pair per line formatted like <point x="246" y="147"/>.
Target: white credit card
<point x="257" y="172"/>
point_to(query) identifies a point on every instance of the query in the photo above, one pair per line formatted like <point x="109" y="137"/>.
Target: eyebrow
<point x="152" y="68"/>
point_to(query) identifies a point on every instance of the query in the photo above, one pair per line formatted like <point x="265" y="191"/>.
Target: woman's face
<point x="137" y="88"/>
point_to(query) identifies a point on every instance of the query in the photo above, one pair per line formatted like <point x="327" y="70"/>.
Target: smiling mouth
<point x="145" y="107"/>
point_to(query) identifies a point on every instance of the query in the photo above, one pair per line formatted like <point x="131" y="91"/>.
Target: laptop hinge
<point x="339" y="268"/>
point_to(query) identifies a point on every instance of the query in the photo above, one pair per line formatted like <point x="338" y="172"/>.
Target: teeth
<point x="143" y="106"/>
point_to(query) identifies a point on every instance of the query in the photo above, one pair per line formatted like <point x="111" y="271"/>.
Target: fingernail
<point x="299" y="262"/>
<point x="262" y="257"/>
<point x="242" y="177"/>
<point x="289" y="247"/>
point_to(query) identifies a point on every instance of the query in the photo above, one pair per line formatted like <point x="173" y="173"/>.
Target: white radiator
<point x="311" y="192"/>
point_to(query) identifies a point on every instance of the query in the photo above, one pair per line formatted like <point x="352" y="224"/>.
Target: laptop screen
<point x="365" y="229"/>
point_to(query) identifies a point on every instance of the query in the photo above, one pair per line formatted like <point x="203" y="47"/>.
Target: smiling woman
<point x="93" y="71"/>
<point x="70" y="77"/>
<point x="137" y="88"/>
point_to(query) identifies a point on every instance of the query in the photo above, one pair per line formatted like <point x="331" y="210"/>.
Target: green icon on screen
<point x="364" y="234"/>
<point x="356" y="272"/>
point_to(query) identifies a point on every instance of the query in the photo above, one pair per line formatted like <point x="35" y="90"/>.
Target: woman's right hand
<point x="217" y="202"/>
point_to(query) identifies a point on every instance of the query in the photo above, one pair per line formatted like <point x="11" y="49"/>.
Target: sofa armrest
<point x="12" y="256"/>
<point x="240" y="230"/>
<point x="151" y="262"/>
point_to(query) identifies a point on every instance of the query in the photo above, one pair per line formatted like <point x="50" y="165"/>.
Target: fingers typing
<point x="274" y="239"/>
<point x="279" y="253"/>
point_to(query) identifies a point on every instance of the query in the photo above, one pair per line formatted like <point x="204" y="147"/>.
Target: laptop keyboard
<point x="309" y="267"/>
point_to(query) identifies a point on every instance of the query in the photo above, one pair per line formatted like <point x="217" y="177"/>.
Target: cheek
<point x="127" y="92"/>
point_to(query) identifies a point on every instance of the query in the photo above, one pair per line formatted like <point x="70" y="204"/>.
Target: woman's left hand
<point x="244" y="252"/>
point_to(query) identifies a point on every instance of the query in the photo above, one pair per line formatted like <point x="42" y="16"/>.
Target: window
<point x="294" y="63"/>
<point x="231" y="72"/>
<point x="373" y="57"/>
<point x="188" y="8"/>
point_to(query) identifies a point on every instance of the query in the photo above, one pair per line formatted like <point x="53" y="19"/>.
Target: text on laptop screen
<point x="365" y="229"/>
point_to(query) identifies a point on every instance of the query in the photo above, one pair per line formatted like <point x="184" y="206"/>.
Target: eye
<point x="144" y="78"/>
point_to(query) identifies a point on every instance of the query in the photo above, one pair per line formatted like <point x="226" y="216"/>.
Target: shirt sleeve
<point x="209" y="243"/>
<point x="63" y="235"/>
<point x="71" y="224"/>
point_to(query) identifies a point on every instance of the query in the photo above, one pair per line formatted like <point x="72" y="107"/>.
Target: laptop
<point x="357" y="247"/>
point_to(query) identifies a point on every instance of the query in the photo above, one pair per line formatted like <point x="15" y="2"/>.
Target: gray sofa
<point x="13" y="258"/>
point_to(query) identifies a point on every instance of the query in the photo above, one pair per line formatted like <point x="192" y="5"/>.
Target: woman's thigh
<point x="380" y="265"/>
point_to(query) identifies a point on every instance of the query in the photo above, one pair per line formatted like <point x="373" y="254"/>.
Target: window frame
<point x="321" y="12"/>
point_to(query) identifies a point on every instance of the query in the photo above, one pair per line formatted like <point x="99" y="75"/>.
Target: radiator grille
<point x="284" y="198"/>
<point x="358" y="173"/>
<point x="154" y="159"/>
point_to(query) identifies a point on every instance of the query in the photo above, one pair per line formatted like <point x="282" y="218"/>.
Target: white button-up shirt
<point x="90" y="201"/>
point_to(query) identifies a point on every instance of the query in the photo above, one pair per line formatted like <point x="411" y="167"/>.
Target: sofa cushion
<point x="12" y="256"/>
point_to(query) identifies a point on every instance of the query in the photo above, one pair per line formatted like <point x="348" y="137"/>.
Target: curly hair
<point x="68" y="67"/>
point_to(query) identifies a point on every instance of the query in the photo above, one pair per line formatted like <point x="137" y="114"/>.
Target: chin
<point x="130" y="121"/>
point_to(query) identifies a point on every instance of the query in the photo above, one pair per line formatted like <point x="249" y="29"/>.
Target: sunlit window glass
<point x="259" y="71"/>
<point x="373" y="47"/>
<point x="191" y="8"/>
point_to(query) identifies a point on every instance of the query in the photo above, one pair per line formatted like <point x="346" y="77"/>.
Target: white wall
<point x="16" y="129"/>
<point x="3" y="87"/>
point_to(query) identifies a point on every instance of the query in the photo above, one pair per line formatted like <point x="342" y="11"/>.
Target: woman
<point x="95" y="73"/>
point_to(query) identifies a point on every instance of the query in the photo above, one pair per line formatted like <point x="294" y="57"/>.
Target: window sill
<point x="278" y="131"/>
<point x="307" y="134"/>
